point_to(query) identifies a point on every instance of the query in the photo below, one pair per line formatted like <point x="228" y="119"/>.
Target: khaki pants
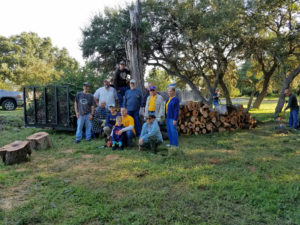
<point x="107" y="131"/>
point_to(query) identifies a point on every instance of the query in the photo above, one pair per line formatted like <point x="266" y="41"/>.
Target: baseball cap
<point x="111" y="105"/>
<point x="86" y="84"/>
<point x="152" y="88"/>
<point x="122" y="62"/>
<point x="132" y="81"/>
<point x="151" y="116"/>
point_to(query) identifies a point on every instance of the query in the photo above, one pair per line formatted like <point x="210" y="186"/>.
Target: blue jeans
<point x="136" y="117"/>
<point x="172" y="132"/>
<point x="121" y="95"/>
<point x="130" y="136"/>
<point x="293" y="119"/>
<point x="84" y="120"/>
<point x="216" y="103"/>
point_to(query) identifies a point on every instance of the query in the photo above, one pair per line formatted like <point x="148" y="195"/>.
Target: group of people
<point x="119" y="128"/>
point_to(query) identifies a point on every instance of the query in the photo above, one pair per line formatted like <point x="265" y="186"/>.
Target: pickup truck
<point x="9" y="100"/>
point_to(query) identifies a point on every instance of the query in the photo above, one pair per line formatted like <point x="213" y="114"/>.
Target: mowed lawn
<point x="242" y="177"/>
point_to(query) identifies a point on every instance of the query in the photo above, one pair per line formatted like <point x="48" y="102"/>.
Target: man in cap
<point x="133" y="102"/>
<point x="106" y="94"/>
<point x="121" y="82"/>
<point x="84" y="109"/>
<point x="154" y="104"/>
<point x="150" y="136"/>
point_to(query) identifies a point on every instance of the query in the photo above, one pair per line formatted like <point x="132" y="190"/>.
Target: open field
<point x="243" y="177"/>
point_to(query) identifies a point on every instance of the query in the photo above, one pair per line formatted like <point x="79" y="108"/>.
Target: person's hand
<point x="77" y="115"/>
<point x="91" y="117"/>
<point x="174" y="122"/>
<point x="120" y="132"/>
<point x="141" y="141"/>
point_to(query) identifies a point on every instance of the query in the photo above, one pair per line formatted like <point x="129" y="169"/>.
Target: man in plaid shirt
<point x="99" y="118"/>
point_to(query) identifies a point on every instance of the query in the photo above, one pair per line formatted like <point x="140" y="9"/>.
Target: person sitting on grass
<point x="99" y="119"/>
<point x="117" y="136"/>
<point x="128" y="123"/>
<point x="150" y="136"/>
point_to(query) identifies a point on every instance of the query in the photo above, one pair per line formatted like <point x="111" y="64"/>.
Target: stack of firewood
<point x="199" y="118"/>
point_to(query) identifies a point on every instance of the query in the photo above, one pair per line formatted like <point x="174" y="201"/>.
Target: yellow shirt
<point x="128" y="121"/>
<point x="168" y="104"/>
<point x="152" y="103"/>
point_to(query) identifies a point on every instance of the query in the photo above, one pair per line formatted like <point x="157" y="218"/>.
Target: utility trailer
<point x="49" y="107"/>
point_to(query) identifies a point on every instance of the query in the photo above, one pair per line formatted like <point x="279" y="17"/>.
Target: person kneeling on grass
<point x="117" y="136"/>
<point x="150" y="136"/>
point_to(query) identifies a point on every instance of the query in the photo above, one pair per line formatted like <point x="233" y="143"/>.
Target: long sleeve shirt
<point x="172" y="111"/>
<point x="120" y="78"/>
<point x="133" y="99"/>
<point x="292" y="104"/>
<point x="151" y="131"/>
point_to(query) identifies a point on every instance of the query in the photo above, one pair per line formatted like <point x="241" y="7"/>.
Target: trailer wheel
<point x="9" y="105"/>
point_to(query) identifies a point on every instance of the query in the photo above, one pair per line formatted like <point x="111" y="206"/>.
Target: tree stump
<point x="40" y="141"/>
<point x="15" y="152"/>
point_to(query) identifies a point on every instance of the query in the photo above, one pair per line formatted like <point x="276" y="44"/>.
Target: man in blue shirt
<point x="150" y="136"/>
<point x="133" y="102"/>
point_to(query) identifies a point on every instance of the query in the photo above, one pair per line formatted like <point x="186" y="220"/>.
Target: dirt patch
<point x="87" y="166"/>
<point x="214" y="161"/>
<point x="227" y="151"/>
<point x="69" y="151"/>
<point x="87" y="156"/>
<point x="252" y="168"/>
<point x="112" y="157"/>
<point x="15" y="196"/>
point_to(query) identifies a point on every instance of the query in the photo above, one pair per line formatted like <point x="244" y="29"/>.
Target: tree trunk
<point x="286" y="83"/>
<point x="40" y="141"/>
<point x="226" y="92"/>
<point x="251" y="99"/>
<point x="15" y="152"/>
<point x="133" y="48"/>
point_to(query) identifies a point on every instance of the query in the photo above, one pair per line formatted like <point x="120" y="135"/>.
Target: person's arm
<point x="289" y="104"/>
<point x="76" y="107"/>
<point x="92" y="112"/>
<point x="97" y="97"/>
<point x="176" y="111"/>
<point x="127" y="128"/>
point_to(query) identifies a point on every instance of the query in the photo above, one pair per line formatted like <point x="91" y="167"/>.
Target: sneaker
<point x="168" y="145"/>
<point x="76" y="142"/>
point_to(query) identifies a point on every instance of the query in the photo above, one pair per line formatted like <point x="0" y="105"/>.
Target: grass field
<point x="242" y="177"/>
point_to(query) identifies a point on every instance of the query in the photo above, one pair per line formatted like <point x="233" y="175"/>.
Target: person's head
<point x="106" y="83"/>
<point x="217" y="90"/>
<point x="287" y="92"/>
<point x="171" y="91"/>
<point x="102" y="104"/>
<point x="150" y="119"/>
<point x="86" y="86"/>
<point x="147" y="86"/>
<point x="123" y="111"/>
<point x="112" y="108"/>
<point x="119" y="120"/>
<point x="152" y="90"/>
<point x="122" y="65"/>
<point x="132" y="84"/>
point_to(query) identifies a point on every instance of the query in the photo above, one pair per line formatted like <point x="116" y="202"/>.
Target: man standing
<point x="154" y="105"/>
<point x="150" y="136"/>
<point x="128" y="123"/>
<point x="110" y="120"/>
<point x="294" y="109"/>
<point x="216" y="97"/>
<point x="121" y="82"/>
<point x="106" y="94"/>
<point x="99" y="119"/>
<point x="84" y="109"/>
<point x="133" y="102"/>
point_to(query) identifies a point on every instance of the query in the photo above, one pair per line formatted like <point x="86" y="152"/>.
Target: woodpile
<point x="15" y="152"/>
<point x="40" y="141"/>
<point x="198" y="118"/>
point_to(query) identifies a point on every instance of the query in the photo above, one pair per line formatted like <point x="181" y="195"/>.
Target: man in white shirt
<point x="106" y="94"/>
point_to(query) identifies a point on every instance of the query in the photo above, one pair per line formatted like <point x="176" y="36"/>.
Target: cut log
<point x="222" y="129"/>
<point x="15" y="152"/>
<point x="40" y="141"/>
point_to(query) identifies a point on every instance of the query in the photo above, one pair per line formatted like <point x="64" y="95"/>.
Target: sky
<point x="61" y="20"/>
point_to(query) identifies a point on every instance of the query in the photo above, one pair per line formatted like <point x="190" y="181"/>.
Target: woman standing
<point x="172" y="112"/>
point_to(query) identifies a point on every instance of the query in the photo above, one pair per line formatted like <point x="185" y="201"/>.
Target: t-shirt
<point x="120" y="78"/>
<point x="133" y="99"/>
<point x="108" y="96"/>
<point x="216" y="97"/>
<point x="128" y="121"/>
<point x="152" y="103"/>
<point x="293" y="104"/>
<point x="84" y="103"/>
<point x="111" y="119"/>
